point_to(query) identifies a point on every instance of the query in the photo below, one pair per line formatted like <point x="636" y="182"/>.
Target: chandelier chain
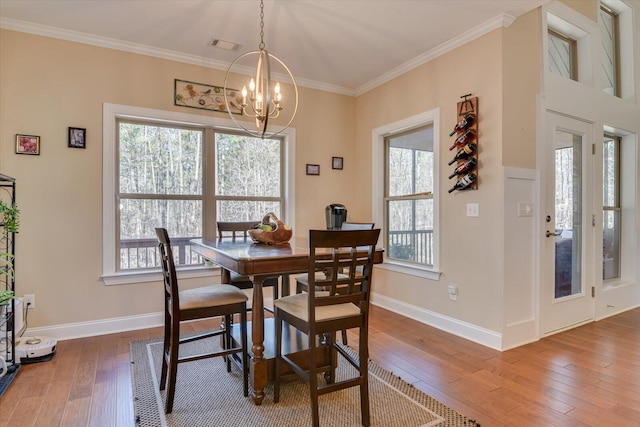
<point x="261" y="45"/>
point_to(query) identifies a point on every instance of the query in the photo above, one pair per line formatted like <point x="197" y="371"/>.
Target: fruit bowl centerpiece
<point x="271" y="230"/>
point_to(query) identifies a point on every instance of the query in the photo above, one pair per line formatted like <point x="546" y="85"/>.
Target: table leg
<point x="258" y="363"/>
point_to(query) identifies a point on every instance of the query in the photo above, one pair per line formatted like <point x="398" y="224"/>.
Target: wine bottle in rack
<point x="462" y="140"/>
<point x="464" y="167"/>
<point x="464" y="182"/>
<point x="464" y="153"/>
<point x="463" y="124"/>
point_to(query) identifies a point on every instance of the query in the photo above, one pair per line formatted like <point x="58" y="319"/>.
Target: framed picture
<point x="28" y="144"/>
<point x="336" y="162"/>
<point x="205" y="97"/>
<point x="77" y="138"/>
<point x="313" y="169"/>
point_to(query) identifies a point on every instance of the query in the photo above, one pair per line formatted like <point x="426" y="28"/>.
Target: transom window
<point x="609" y="34"/>
<point x="563" y="57"/>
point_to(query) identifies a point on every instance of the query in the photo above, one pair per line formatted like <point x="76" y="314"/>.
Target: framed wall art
<point x="313" y="169"/>
<point x="204" y="96"/>
<point x="28" y="144"/>
<point x="336" y="162"/>
<point x="77" y="138"/>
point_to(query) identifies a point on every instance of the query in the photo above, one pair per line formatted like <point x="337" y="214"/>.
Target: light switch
<point x="473" y="209"/>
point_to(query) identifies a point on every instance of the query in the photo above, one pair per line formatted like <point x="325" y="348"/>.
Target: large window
<point x="611" y="221"/>
<point x="183" y="172"/>
<point x="405" y="193"/>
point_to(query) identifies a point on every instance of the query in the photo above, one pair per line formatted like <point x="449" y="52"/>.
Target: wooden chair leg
<point x="364" y="373"/>
<point x="276" y="384"/>
<point x="165" y="351"/>
<point x="313" y="381"/>
<point x="344" y="336"/>
<point x="173" y="367"/>
<point x="227" y="338"/>
<point x="245" y="352"/>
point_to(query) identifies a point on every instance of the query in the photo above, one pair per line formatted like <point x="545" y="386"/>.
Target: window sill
<point x="410" y="269"/>
<point x="156" y="276"/>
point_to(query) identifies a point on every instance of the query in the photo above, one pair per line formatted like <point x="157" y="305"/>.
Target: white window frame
<point x="629" y="153"/>
<point x="111" y="112"/>
<point x="431" y="117"/>
<point x="626" y="73"/>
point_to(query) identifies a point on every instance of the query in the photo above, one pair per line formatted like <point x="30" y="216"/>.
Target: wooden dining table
<point x="259" y="262"/>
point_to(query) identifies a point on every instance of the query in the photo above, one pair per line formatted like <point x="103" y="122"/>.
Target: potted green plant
<point x="10" y="221"/>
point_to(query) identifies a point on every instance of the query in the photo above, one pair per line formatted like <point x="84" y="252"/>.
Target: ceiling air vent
<point x="223" y="44"/>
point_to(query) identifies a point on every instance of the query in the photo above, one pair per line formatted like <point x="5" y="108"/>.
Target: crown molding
<point x="501" y="21"/>
<point x="141" y="49"/>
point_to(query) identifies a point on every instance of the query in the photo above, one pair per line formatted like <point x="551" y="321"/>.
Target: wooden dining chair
<point x="320" y="314"/>
<point x="239" y="229"/>
<point x="197" y="303"/>
<point x="302" y="280"/>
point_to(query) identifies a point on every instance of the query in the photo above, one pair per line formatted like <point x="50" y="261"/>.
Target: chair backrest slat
<point x="331" y="251"/>
<point x="235" y="229"/>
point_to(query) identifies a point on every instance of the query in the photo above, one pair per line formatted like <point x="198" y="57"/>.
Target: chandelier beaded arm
<point x="259" y="101"/>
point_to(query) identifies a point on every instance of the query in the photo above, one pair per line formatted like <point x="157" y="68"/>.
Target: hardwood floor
<point x="589" y="376"/>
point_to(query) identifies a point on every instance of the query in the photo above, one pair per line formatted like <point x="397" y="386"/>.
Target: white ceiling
<point x="346" y="46"/>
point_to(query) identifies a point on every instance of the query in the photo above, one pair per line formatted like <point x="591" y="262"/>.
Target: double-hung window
<point x="611" y="220"/>
<point x="160" y="184"/>
<point x="409" y="196"/>
<point x="405" y="193"/>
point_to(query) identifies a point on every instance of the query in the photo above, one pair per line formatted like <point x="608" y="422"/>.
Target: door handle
<point x="549" y="234"/>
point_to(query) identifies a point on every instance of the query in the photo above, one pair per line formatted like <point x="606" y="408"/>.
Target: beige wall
<point x="47" y="85"/>
<point x="522" y="67"/>
<point x="588" y="8"/>
<point x="470" y="247"/>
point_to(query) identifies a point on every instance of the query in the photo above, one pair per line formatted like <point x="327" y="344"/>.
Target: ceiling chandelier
<point x="263" y="100"/>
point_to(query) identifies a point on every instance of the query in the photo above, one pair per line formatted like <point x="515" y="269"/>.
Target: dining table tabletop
<point x="259" y="262"/>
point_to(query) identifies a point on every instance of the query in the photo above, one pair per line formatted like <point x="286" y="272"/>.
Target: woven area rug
<point x="207" y="395"/>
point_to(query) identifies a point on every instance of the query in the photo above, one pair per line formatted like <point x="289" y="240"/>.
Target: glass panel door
<point x="568" y="214"/>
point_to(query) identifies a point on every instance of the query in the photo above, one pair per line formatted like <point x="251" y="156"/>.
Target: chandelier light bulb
<point x="263" y="105"/>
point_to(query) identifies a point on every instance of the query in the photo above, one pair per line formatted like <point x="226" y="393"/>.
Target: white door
<point x="567" y="271"/>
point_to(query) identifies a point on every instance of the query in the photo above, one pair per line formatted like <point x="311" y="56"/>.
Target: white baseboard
<point x="457" y="327"/>
<point x="129" y="323"/>
<point x="98" y="327"/>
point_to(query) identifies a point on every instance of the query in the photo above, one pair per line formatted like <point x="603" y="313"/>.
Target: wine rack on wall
<point x="465" y="146"/>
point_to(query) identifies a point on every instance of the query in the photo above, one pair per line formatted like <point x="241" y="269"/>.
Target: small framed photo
<point x="336" y="162"/>
<point x="77" y="138"/>
<point x="313" y="169"/>
<point x="28" y="144"/>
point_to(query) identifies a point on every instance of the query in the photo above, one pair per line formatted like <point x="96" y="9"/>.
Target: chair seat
<point x="211" y="296"/>
<point x="297" y="305"/>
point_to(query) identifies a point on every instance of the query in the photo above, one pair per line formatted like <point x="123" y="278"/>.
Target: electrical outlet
<point x="453" y="292"/>
<point x="29" y="300"/>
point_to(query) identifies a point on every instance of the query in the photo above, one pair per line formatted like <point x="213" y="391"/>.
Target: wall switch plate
<point x="473" y="209"/>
